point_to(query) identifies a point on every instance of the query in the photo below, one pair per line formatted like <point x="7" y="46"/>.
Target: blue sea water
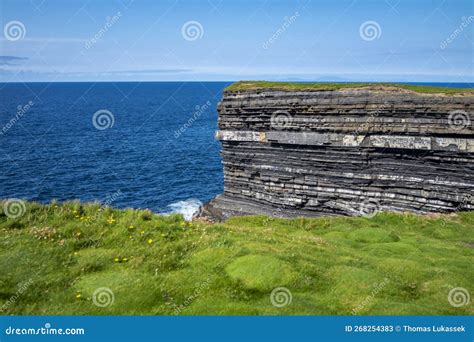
<point x="159" y="151"/>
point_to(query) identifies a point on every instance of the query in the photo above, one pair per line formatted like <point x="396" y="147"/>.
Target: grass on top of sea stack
<point x="302" y="86"/>
<point x="75" y="258"/>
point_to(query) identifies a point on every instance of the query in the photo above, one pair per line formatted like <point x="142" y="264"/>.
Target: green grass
<point x="54" y="257"/>
<point x="294" y="86"/>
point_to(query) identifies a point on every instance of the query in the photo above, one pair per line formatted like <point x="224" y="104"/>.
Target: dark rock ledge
<point x="344" y="152"/>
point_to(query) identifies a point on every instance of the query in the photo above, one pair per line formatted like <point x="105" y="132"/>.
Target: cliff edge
<point x="302" y="149"/>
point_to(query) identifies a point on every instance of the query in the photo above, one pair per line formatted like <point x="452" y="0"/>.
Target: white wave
<point x="188" y="208"/>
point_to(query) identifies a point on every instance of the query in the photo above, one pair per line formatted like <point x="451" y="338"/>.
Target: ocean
<point x="150" y="145"/>
<point x="125" y="144"/>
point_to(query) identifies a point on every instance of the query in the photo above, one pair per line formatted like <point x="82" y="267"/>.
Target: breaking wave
<point x="189" y="208"/>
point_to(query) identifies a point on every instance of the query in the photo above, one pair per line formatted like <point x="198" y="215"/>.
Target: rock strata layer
<point x="344" y="152"/>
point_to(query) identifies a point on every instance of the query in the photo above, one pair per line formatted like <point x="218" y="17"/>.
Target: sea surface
<point x="151" y="145"/>
<point x="125" y="144"/>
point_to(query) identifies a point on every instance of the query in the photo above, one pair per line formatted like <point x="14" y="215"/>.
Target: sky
<point x="216" y="40"/>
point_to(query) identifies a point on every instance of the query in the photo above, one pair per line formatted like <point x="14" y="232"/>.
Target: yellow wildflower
<point x="150" y="241"/>
<point x="78" y="295"/>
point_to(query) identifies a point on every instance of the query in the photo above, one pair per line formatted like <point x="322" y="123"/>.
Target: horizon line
<point x="234" y="81"/>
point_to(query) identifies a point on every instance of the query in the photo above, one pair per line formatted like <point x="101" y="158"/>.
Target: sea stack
<point x="344" y="149"/>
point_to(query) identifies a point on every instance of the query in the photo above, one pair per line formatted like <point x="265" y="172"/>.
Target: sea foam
<point x="189" y="208"/>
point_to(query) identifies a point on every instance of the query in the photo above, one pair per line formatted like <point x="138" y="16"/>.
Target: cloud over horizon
<point x="11" y="60"/>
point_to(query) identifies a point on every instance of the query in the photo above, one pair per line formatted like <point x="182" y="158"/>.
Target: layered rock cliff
<point x="291" y="150"/>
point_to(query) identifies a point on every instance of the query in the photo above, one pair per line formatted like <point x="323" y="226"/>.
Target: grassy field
<point x="294" y="86"/>
<point x="75" y="258"/>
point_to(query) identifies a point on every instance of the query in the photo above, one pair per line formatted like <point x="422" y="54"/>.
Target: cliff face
<point x="348" y="151"/>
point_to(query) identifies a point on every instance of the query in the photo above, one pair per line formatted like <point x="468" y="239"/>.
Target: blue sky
<point x="121" y="40"/>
